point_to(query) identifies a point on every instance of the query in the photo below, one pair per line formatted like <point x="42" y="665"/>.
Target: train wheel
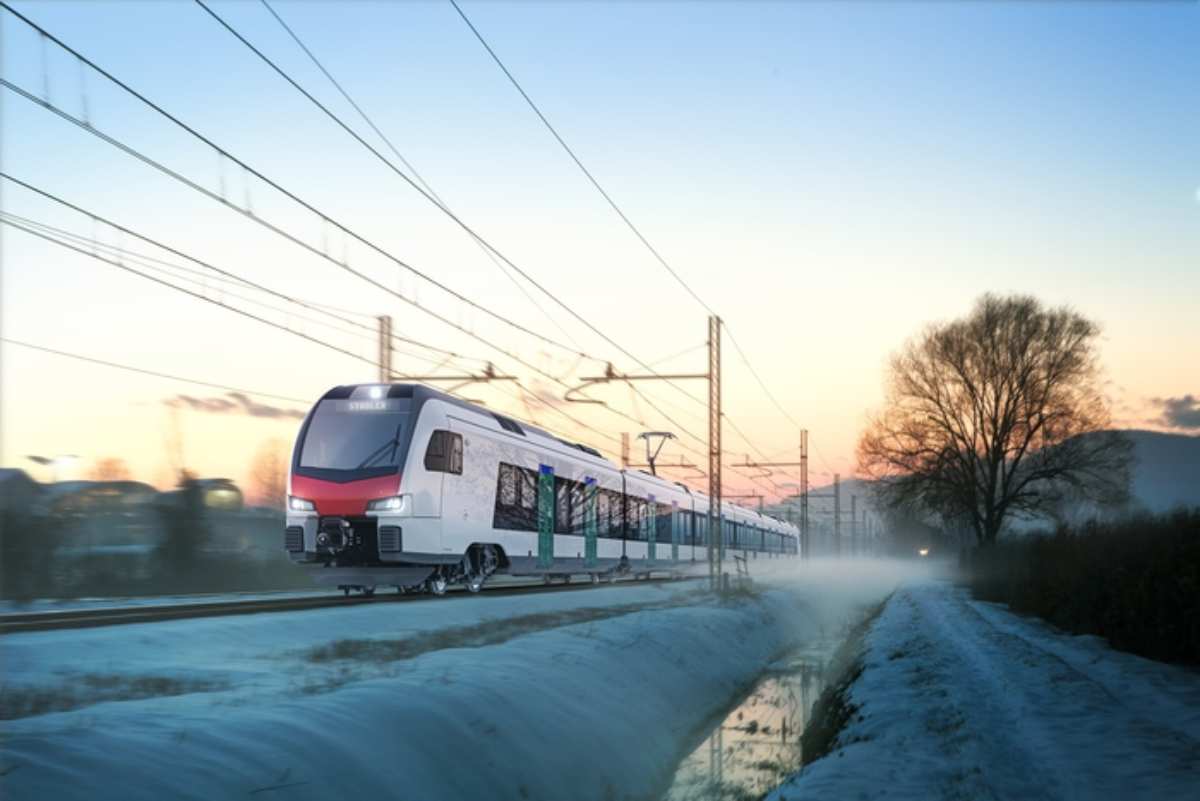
<point x="479" y="564"/>
<point x="437" y="584"/>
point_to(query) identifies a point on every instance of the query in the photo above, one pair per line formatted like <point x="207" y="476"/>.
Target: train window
<point x="508" y="485"/>
<point x="516" y="499"/>
<point x="350" y="435"/>
<point x="602" y="512"/>
<point x="444" y="453"/>
<point x="579" y="507"/>
<point x="633" y="516"/>
<point x="616" y="529"/>
<point x="663" y="528"/>
<point x="527" y="488"/>
<point x="562" y="505"/>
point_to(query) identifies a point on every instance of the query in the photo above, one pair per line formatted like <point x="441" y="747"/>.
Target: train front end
<point x="347" y="513"/>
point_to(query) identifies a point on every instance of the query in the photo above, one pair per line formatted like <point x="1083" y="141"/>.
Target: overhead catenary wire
<point x="215" y="269"/>
<point x="154" y="373"/>
<point x="178" y="272"/>
<point x="163" y="282"/>
<point x="191" y="184"/>
<point x="262" y="177"/>
<point x="250" y="215"/>
<point x="617" y="209"/>
<point x="417" y="175"/>
<point x="198" y="279"/>
<point x="266" y="224"/>
<point x="454" y="217"/>
<point x="325" y="218"/>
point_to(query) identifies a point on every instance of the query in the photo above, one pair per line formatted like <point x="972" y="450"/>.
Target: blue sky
<point x="830" y="177"/>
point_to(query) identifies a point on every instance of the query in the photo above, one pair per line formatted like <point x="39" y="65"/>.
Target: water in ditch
<point x="757" y="744"/>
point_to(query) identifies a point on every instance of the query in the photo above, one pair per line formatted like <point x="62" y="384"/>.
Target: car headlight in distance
<point x="300" y="504"/>
<point x="394" y="503"/>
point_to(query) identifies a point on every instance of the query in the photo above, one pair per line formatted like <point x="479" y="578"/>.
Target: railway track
<point x="123" y="615"/>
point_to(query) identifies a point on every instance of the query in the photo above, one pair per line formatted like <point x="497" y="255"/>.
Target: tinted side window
<point x="562" y="505"/>
<point x="663" y="523"/>
<point x="444" y="453"/>
<point x="516" y="499"/>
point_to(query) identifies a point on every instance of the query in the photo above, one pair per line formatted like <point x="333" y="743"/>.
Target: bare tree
<point x="994" y="415"/>
<point x="110" y="468"/>
<point x="268" y="472"/>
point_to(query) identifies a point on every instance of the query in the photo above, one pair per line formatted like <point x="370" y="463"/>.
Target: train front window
<point x="356" y="434"/>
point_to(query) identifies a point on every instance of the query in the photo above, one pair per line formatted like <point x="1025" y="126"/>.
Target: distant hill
<point x="1166" y="473"/>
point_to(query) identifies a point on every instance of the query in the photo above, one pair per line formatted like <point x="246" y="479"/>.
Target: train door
<point x="464" y="497"/>
<point x="676" y="530"/>
<point x="545" y="516"/>
<point x="590" y="523"/>
<point x="649" y="525"/>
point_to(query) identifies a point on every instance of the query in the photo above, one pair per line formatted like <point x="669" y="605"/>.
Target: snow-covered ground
<point x="593" y="694"/>
<point x="963" y="700"/>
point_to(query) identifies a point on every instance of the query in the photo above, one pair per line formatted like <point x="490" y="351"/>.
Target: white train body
<point x="393" y="484"/>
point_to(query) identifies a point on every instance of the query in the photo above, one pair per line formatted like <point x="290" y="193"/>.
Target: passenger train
<point x="402" y="485"/>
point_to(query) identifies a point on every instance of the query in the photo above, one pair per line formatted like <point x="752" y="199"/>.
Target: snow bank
<point x="961" y="699"/>
<point x="600" y="709"/>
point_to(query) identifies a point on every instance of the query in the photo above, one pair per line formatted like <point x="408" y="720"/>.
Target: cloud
<point x="234" y="403"/>
<point x="1181" y="412"/>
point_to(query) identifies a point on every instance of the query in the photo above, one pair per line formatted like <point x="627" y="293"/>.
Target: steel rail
<point x="122" y="615"/>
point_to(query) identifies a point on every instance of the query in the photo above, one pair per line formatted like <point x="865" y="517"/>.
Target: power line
<point x="155" y="373"/>
<point x="223" y="272"/>
<point x="247" y="213"/>
<point x="325" y="218"/>
<point x="184" y="290"/>
<point x="613" y="204"/>
<point x="396" y="152"/>
<point x="383" y="159"/>
<point x="145" y="159"/>
<point x="273" y="184"/>
<point x="192" y="277"/>
<point x="269" y="226"/>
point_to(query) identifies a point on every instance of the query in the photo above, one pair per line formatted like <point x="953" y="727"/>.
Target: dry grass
<point x="833" y="709"/>
<point x="476" y="635"/>
<point x="94" y="688"/>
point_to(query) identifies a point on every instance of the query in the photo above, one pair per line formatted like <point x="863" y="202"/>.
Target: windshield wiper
<point x="392" y="443"/>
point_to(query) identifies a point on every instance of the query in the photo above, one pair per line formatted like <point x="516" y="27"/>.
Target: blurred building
<point x="17" y="490"/>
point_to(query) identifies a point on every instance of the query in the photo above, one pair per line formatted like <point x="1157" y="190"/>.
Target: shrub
<point x="1135" y="582"/>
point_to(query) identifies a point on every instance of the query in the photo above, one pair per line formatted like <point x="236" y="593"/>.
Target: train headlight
<point x="394" y="504"/>
<point x="300" y="504"/>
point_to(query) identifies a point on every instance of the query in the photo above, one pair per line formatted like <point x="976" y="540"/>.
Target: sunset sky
<point x="829" y="178"/>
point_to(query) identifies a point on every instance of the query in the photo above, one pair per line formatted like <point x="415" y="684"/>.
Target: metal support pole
<point x="854" y="525"/>
<point x="385" y="348"/>
<point x="806" y="548"/>
<point x="837" y="515"/>
<point x="716" y="521"/>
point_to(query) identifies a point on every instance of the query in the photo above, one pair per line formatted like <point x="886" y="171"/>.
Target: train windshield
<point x="356" y="434"/>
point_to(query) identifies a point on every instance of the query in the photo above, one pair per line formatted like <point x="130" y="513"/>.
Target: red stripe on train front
<point x="350" y="498"/>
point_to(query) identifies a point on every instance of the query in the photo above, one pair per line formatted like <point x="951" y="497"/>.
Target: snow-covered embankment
<point x="382" y="702"/>
<point x="961" y="699"/>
